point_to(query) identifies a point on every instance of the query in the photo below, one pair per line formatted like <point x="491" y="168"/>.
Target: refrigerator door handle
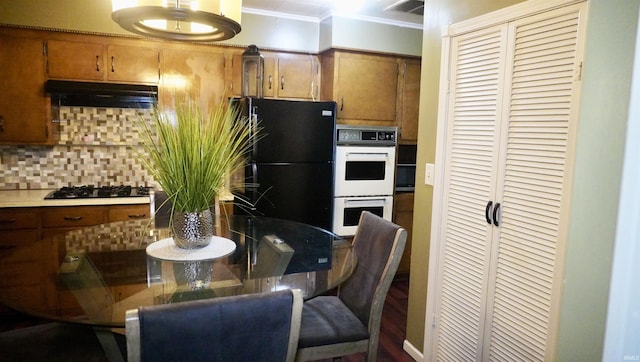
<point x="254" y="185"/>
<point x="253" y="127"/>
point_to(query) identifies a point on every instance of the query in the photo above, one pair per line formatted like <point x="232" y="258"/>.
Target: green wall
<point x="607" y="70"/>
<point x="263" y="29"/>
<point x="358" y="34"/>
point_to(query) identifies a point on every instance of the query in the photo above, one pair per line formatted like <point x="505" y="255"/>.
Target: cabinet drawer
<point x="73" y="216"/>
<point x="12" y="218"/>
<point x="128" y="212"/>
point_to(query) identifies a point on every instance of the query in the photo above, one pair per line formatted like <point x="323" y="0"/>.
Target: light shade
<point x="187" y="20"/>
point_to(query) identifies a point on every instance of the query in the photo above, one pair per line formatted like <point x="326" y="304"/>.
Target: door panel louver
<point x="540" y="109"/>
<point x="470" y="168"/>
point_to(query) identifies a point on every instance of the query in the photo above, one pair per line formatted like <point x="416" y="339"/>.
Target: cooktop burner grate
<point x="90" y="191"/>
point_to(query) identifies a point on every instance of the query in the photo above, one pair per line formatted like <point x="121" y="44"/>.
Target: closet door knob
<point x="496" y="215"/>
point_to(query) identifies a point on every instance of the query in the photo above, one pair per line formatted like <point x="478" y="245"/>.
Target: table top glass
<point x="95" y="274"/>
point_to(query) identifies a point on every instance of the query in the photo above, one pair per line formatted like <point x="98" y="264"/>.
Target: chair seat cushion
<point x="326" y="320"/>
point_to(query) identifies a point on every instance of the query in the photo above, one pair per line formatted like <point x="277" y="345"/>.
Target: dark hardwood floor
<point x="392" y="330"/>
<point x="393" y="326"/>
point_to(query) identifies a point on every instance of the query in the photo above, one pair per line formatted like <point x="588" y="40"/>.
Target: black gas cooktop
<point x="90" y="191"/>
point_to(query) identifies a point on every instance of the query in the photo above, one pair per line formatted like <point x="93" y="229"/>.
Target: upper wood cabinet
<point x="24" y="108"/>
<point x="133" y="64"/>
<point x="298" y="76"/>
<point x="96" y="61"/>
<point x="286" y="75"/>
<point x="193" y="73"/>
<point x="364" y="86"/>
<point x="408" y="101"/>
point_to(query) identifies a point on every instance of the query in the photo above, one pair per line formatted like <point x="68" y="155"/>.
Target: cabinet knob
<point x="97" y="63"/>
<point x="113" y="64"/>
<point x="282" y="82"/>
<point x="137" y="216"/>
<point x="270" y="81"/>
<point x="1" y="123"/>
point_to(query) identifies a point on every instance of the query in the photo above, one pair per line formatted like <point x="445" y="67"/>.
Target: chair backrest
<point x="379" y="245"/>
<point x="251" y="327"/>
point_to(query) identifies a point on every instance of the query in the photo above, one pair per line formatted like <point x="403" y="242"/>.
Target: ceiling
<point x="392" y="11"/>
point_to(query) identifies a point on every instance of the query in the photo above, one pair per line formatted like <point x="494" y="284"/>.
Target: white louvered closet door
<point x="511" y="113"/>
<point x="540" y="118"/>
<point x="475" y="93"/>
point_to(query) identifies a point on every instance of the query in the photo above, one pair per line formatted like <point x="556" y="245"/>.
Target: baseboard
<point x="412" y="351"/>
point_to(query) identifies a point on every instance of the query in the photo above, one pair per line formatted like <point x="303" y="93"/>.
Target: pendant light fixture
<point x="185" y="20"/>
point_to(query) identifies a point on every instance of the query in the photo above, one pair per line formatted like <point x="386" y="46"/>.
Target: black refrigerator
<point x="290" y="170"/>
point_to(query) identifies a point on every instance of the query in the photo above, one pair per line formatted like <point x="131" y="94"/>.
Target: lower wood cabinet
<point x="403" y="216"/>
<point x="20" y="230"/>
<point x="27" y="224"/>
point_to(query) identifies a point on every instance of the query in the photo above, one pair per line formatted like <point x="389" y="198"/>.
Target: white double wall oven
<point x="364" y="176"/>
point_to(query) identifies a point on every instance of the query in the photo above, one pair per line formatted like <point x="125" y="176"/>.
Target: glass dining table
<point x="95" y="274"/>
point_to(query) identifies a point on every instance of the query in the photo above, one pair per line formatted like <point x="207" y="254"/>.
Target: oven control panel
<point x="366" y="135"/>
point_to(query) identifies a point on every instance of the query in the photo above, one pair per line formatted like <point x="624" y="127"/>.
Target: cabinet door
<point x="366" y="87"/>
<point x="297" y="76"/>
<point x="196" y="74"/>
<point x="75" y="60"/>
<point x="270" y="84"/>
<point x="403" y="216"/>
<point x="540" y="123"/>
<point x="133" y="64"/>
<point x="469" y="165"/>
<point x="409" y="100"/>
<point x="23" y="105"/>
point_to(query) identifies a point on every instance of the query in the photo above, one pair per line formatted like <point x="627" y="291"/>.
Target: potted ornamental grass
<point x="190" y="153"/>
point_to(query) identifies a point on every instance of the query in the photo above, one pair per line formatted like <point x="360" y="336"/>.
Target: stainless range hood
<point x="93" y="94"/>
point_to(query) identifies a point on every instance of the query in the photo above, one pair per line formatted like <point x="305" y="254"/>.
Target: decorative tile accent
<point x="97" y="147"/>
<point x="130" y="235"/>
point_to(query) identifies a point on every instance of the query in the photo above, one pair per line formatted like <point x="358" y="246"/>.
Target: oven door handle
<point x="367" y="156"/>
<point x="364" y="203"/>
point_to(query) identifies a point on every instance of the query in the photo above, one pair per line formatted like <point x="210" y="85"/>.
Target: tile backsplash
<point x="97" y="146"/>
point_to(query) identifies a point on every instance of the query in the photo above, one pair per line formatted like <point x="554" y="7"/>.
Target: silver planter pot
<point x="192" y="230"/>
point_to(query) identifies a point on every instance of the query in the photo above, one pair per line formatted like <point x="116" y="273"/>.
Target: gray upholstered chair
<point x="251" y="327"/>
<point x="349" y="322"/>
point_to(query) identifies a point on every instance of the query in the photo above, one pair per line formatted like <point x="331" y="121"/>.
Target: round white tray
<point x="166" y="249"/>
